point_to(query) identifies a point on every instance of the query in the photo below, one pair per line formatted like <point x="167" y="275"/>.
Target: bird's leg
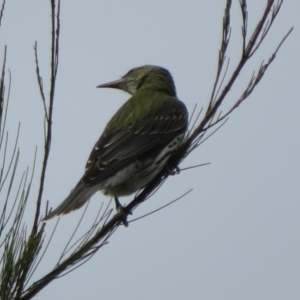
<point x="120" y="210"/>
<point x="173" y="171"/>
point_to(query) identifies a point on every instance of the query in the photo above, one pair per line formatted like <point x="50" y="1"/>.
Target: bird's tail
<point x="77" y="198"/>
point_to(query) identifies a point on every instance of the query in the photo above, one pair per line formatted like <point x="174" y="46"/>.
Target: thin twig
<point x="162" y="207"/>
<point x="1" y="11"/>
<point x="54" y="66"/>
<point x="40" y="81"/>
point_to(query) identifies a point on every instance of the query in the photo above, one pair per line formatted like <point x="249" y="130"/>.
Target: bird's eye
<point x="141" y="81"/>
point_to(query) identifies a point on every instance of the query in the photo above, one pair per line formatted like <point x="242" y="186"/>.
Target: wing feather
<point x="119" y="147"/>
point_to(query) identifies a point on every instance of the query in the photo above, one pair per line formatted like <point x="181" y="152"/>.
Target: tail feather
<point x="77" y="198"/>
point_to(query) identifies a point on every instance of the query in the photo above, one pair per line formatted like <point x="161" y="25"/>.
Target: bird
<point x="136" y="143"/>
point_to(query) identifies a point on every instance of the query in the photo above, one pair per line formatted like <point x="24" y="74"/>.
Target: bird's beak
<point x="117" y="84"/>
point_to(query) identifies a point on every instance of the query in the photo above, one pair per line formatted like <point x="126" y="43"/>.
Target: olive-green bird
<point x="136" y="143"/>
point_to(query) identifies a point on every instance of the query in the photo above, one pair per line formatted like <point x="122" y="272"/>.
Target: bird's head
<point x="140" y="77"/>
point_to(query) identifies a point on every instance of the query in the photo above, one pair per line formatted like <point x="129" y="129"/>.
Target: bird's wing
<point x="118" y="148"/>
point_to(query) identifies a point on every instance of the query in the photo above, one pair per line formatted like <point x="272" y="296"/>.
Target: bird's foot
<point x="121" y="212"/>
<point x="173" y="171"/>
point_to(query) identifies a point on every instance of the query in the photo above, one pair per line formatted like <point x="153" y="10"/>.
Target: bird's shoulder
<point x="147" y="106"/>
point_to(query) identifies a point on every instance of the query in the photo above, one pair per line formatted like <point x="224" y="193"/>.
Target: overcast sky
<point x="236" y="235"/>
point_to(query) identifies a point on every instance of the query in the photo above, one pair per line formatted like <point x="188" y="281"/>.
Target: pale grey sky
<point x="236" y="235"/>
